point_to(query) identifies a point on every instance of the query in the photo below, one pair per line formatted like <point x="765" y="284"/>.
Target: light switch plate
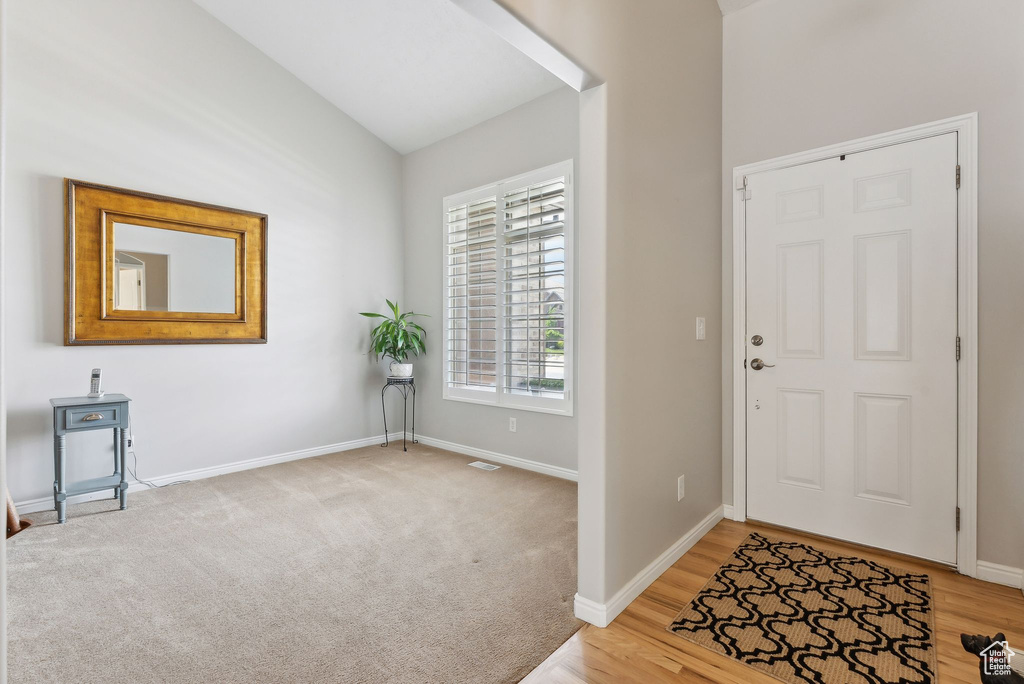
<point x="681" y="488"/>
<point x="511" y="424"/>
<point x="700" y="328"/>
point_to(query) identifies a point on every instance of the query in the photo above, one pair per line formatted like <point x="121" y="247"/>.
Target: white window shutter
<point x="471" y="304"/>
<point x="533" y="288"/>
<point x="508" y="292"/>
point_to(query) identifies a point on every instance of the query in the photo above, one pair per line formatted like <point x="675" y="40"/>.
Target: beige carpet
<point x="367" y="566"/>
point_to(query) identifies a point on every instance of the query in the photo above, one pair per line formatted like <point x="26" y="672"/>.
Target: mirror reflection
<point x="156" y="269"/>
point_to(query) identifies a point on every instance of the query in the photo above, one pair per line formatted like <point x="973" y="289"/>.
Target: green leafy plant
<point x="397" y="336"/>
<point x="554" y="337"/>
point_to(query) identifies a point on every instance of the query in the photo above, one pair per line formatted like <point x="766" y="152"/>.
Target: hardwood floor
<point x="637" y="648"/>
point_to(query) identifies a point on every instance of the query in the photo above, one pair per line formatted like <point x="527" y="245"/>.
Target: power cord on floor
<point x="135" y="458"/>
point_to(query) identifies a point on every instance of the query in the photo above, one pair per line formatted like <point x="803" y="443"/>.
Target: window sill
<point x="567" y="412"/>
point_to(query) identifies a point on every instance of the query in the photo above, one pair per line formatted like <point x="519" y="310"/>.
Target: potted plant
<point x="396" y="337"/>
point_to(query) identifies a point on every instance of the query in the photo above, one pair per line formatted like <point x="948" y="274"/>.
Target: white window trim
<point x="497" y="396"/>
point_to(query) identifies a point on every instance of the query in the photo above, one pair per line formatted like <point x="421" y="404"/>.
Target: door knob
<point x="758" y="364"/>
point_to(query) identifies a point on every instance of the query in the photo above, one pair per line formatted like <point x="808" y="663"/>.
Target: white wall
<point x="659" y="388"/>
<point x="539" y="133"/>
<point x="800" y="74"/>
<point x="106" y="91"/>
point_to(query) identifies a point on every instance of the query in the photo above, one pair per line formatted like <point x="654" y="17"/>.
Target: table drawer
<point x="86" y="418"/>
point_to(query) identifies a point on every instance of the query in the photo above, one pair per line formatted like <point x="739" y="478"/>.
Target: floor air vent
<point x="484" y="466"/>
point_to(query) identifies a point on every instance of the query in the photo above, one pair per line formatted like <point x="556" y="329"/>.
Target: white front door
<point x="852" y="295"/>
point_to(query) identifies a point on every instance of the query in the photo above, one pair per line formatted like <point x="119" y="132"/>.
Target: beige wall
<point x="3" y="332"/>
<point x="799" y="74"/>
<point x="660" y="60"/>
<point x="536" y="134"/>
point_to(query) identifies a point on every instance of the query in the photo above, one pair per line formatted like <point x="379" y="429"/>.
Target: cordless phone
<point x="95" y="391"/>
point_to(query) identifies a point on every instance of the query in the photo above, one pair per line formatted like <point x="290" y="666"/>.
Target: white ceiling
<point x="729" y="6"/>
<point x="411" y="71"/>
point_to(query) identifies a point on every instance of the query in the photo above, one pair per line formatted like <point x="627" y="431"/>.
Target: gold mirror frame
<point x="90" y="318"/>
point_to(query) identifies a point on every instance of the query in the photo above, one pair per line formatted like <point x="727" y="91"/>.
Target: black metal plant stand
<point x="404" y="385"/>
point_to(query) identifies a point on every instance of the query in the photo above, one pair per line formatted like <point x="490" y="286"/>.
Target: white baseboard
<point x="1001" y="574"/>
<point x="45" y="503"/>
<point x="515" y="461"/>
<point x="601" y="615"/>
<point x="590" y="611"/>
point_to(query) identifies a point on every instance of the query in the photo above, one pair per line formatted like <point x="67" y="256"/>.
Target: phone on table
<point x="95" y="387"/>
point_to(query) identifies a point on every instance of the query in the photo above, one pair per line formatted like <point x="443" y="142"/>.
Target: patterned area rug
<point x="800" y="614"/>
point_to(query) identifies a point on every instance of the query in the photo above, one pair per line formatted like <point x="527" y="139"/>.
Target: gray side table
<point x="80" y="414"/>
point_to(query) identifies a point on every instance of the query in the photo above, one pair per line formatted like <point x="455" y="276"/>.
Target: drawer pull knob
<point x="93" y="416"/>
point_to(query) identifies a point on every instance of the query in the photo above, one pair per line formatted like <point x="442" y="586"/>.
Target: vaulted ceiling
<point x="411" y="71"/>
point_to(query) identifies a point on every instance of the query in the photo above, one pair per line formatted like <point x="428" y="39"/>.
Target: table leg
<point x="405" y="417"/>
<point x="123" y="489"/>
<point x="56" y="468"/>
<point x="384" y="410"/>
<point x="61" y="496"/>
<point x="414" y="414"/>
<point x="117" y="459"/>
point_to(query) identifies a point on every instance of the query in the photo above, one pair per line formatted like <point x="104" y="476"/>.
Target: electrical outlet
<point x="681" y="488"/>
<point x="701" y="328"/>
<point x="511" y="424"/>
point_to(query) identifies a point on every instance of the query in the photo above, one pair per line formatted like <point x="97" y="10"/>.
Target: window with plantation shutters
<point x="533" y="288"/>
<point x="508" y="283"/>
<point x="472" y="354"/>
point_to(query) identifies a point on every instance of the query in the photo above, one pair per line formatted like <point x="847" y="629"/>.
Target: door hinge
<point x="958" y="348"/>
<point x="957" y="176"/>
<point x="741" y="186"/>
<point x="957" y="518"/>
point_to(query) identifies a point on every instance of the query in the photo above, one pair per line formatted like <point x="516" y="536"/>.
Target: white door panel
<point x="851" y="283"/>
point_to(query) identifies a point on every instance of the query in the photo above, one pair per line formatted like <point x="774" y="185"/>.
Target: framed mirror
<point x="148" y="269"/>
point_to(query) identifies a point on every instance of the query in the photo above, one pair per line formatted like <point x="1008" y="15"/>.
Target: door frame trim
<point x="967" y="312"/>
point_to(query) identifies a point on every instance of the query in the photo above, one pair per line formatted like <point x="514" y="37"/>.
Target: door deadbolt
<point x="757" y="340"/>
<point x="758" y="364"/>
